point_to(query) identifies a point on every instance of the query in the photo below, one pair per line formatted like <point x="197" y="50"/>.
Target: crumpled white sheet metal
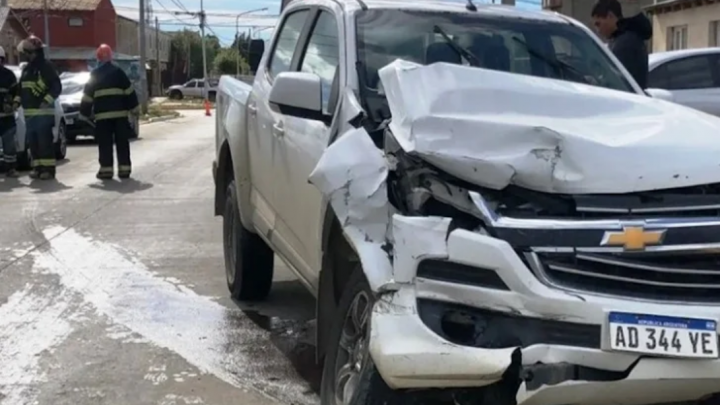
<point x="495" y="128"/>
<point x="352" y="173"/>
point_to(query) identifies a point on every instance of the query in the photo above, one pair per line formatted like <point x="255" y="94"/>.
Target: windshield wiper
<point x="472" y="59"/>
<point x="560" y="66"/>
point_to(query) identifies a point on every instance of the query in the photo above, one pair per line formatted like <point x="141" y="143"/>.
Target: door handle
<point x="252" y="109"/>
<point x="278" y="129"/>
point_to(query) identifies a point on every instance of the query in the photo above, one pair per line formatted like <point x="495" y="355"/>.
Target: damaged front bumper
<point x="467" y="308"/>
<point x="459" y="308"/>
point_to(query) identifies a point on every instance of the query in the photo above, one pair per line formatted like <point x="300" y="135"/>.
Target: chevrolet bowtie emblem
<point x="632" y="238"/>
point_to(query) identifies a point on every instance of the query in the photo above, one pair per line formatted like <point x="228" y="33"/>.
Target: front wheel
<point x="349" y="374"/>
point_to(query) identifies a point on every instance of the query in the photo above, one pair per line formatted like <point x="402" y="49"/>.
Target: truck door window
<point x="286" y="43"/>
<point x="321" y="53"/>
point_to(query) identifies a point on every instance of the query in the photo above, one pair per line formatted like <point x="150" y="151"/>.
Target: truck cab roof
<point x="489" y="10"/>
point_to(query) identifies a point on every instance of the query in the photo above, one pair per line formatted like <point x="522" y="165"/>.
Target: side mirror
<point x="257" y="48"/>
<point x="298" y="94"/>
<point x="662" y="94"/>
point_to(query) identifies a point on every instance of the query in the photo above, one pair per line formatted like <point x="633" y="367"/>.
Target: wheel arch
<point x="338" y="261"/>
<point x="224" y="174"/>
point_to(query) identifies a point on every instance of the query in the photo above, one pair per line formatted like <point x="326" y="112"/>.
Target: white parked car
<point x="194" y="88"/>
<point x="486" y="205"/>
<point x="690" y="75"/>
<point x="59" y="133"/>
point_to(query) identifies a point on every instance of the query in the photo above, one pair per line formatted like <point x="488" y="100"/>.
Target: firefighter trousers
<point x="117" y="132"/>
<point x="42" y="142"/>
<point x="9" y="147"/>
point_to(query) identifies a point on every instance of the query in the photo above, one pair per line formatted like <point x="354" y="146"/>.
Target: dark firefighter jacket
<point x="108" y="94"/>
<point x="9" y="99"/>
<point x="39" y="87"/>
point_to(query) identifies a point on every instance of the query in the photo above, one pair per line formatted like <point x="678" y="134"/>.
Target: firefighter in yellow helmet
<point x="40" y="87"/>
<point x="110" y="96"/>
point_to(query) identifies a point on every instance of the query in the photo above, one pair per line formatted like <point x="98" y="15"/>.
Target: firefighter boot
<point x="12" y="173"/>
<point x="124" y="172"/>
<point x="105" y="173"/>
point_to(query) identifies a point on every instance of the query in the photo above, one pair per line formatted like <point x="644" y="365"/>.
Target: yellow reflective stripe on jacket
<point x="3" y="115"/>
<point x="48" y="98"/>
<point x="39" y="111"/>
<point x="129" y="90"/>
<point x="30" y="85"/>
<point x="43" y="163"/>
<point x="3" y="91"/>
<point x="111" y="115"/>
<point x="87" y="99"/>
<point x="109" y="92"/>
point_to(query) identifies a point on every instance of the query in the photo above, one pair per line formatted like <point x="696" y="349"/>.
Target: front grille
<point x="685" y="277"/>
<point x="71" y="108"/>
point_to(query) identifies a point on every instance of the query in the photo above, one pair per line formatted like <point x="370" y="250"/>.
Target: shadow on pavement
<point x="288" y="315"/>
<point x="127" y="186"/>
<point x="47" y="186"/>
<point x="7" y="184"/>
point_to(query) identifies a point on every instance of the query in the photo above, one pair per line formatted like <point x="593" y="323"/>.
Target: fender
<point x="233" y="156"/>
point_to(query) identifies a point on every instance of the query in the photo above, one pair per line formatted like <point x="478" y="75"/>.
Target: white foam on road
<point x="197" y="328"/>
<point x="32" y="322"/>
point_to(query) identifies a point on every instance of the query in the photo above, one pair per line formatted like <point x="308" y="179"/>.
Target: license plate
<point x="663" y="335"/>
<point x="69" y="121"/>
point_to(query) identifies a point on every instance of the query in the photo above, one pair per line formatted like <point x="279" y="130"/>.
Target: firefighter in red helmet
<point x="110" y="97"/>
<point x="40" y="87"/>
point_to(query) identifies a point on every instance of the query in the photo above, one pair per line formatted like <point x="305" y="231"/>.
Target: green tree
<point x="187" y="47"/>
<point x="226" y="62"/>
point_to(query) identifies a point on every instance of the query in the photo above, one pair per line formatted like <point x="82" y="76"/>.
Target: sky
<point x="222" y="15"/>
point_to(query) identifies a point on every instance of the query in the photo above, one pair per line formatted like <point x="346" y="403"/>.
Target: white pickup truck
<point x="484" y="202"/>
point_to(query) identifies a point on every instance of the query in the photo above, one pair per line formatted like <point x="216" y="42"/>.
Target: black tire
<point x="371" y="389"/>
<point x="24" y="160"/>
<point x="249" y="260"/>
<point x="61" y="144"/>
<point x="176" y="95"/>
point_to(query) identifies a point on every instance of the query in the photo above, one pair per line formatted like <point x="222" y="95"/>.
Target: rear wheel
<point x="248" y="259"/>
<point x="61" y="144"/>
<point x="176" y="95"/>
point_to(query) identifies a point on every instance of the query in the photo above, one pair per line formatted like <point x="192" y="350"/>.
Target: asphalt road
<point x="114" y="293"/>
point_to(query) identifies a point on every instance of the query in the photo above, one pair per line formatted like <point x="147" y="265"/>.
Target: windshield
<point x="536" y="48"/>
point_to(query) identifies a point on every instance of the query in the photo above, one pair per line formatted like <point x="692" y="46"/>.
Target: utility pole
<point x="204" y="54"/>
<point x="158" y="75"/>
<point x="47" y="29"/>
<point x="143" y="50"/>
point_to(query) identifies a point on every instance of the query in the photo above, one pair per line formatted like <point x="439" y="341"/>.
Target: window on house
<point x="677" y="37"/>
<point x="714" y="39"/>
<point x="75" y="22"/>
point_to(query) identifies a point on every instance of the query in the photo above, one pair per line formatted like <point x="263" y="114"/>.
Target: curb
<point x="160" y="119"/>
<point x="183" y="107"/>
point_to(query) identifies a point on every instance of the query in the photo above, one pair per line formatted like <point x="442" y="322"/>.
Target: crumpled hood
<point x="638" y="24"/>
<point x="495" y="128"/>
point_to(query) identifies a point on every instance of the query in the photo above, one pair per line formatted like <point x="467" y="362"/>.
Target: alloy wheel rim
<point x="352" y="349"/>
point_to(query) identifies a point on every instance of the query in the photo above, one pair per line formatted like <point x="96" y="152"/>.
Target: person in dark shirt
<point x="9" y="101"/>
<point x="626" y="37"/>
